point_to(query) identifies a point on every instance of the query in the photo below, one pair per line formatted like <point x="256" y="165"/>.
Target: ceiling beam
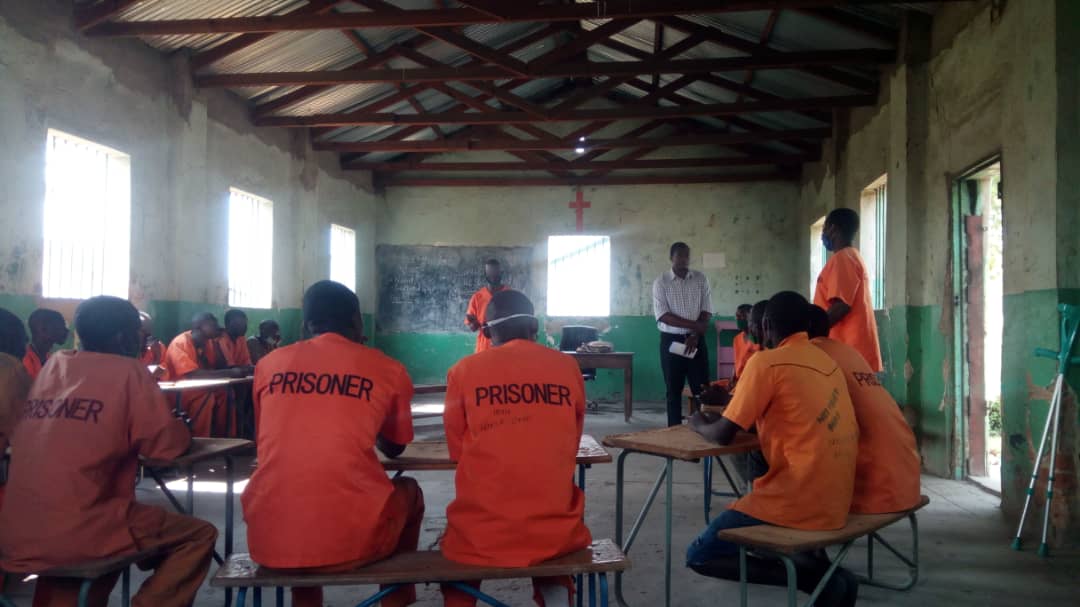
<point x="453" y="17"/>
<point x="219" y="52"/>
<point x="568" y="143"/>
<point x="722" y="38"/>
<point x="88" y="16"/>
<point x="854" y="23"/>
<point x="606" y="165"/>
<point x="582" y="42"/>
<point x="585" y="180"/>
<point x="765" y="60"/>
<point x="627" y="113"/>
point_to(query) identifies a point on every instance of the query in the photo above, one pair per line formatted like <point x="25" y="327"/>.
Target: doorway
<point x="978" y="233"/>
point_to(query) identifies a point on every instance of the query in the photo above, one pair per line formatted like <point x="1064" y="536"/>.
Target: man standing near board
<point x="476" y="315"/>
<point x="682" y="304"/>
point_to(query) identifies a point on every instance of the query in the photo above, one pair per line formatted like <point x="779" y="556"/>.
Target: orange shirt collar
<point x="801" y="337"/>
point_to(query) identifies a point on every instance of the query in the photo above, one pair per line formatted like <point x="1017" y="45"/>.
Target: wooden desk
<point x="435" y="455"/>
<point x="203" y="449"/>
<point x="429" y="388"/>
<point x="674" y="443"/>
<point x="180" y="386"/>
<point x="612" y="360"/>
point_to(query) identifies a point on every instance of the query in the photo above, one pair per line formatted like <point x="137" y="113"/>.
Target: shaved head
<point x="12" y="334"/>
<point x="510" y="315"/>
<point x="331" y="307"/>
<point x="109" y="325"/>
<point x="785" y="315"/>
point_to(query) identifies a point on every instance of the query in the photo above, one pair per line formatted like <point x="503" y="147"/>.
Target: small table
<point x="612" y="360"/>
<point x="674" y="443"/>
<point x="429" y="388"/>
<point x="202" y="449"/>
<point x="183" y="385"/>
<point x="435" y="455"/>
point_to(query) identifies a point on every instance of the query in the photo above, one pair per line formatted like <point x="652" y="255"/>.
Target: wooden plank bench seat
<point x="89" y="571"/>
<point x="783" y="542"/>
<point x="239" y="571"/>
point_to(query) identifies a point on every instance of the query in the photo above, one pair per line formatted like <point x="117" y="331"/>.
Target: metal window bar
<point x="880" y="206"/>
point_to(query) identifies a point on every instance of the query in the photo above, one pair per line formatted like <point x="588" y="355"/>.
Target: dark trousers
<point x="678" y="370"/>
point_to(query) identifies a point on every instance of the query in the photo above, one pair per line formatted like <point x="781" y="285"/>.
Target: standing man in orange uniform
<point x="744" y="344"/>
<point x="797" y="399"/>
<point x="320" y="500"/>
<point x="47" y="329"/>
<point x="71" y="494"/>
<point x="195" y="354"/>
<point x="477" y="312"/>
<point x="843" y="288"/>
<point x="887" y="469"/>
<point x="504" y="407"/>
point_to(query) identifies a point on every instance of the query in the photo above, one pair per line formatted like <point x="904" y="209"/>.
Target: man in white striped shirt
<point x="682" y="304"/>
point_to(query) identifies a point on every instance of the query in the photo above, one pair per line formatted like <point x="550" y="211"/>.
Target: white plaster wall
<point x="187" y="149"/>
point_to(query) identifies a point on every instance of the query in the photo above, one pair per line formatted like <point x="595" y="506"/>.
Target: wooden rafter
<point x="88" y="16"/>
<point x="592" y="165"/>
<point x="507" y="117"/>
<point x="778" y="175"/>
<point x="517" y="12"/>
<point x="568" y="143"/>
<point x="764" y="60"/>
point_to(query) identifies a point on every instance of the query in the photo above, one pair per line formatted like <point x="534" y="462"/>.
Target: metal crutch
<point x="1070" y="324"/>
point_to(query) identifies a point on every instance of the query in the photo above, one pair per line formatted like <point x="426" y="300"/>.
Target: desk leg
<point x="626" y="545"/>
<point x="176" y="503"/>
<point x="190" y="491"/>
<point x="628" y="392"/>
<point x="670" y="473"/>
<point x="229" y="495"/>
<point x="578" y="579"/>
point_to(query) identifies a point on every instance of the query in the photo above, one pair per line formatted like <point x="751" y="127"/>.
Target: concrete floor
<point x="965" y="553"/>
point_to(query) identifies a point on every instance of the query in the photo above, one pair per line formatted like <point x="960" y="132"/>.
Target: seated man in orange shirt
<point x="47" y="329"/>
<point x="266" y="341"/>
<point x="514" y="417"/>
<point x="744" y="344"/>
<point x="14" y="379"/>
<point x="843" y="288"/>
<point x="320" y="499"/>
<point x="233" y="340"/>
<point x="71" y="493"/>
<point x="796" y="397"/>
<point x="153" y="351"/>
<point x="887" y="469"/>
<point x="195" y="354"/>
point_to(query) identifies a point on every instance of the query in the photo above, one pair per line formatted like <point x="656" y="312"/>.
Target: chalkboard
<point x="426" y="289"/>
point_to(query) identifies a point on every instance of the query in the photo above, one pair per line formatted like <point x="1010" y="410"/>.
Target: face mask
<point x="826" y="242"/>
<point x="750" y="338"/>
<point x="743" y="325"/>
<point x="493" y="282"/>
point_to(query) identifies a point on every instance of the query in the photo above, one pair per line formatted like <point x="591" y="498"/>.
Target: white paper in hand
<point x="679" y="348"/>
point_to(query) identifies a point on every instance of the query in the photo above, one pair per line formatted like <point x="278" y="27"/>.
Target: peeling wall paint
<point x="978" y="81"/>
<point x="187" y="148"/>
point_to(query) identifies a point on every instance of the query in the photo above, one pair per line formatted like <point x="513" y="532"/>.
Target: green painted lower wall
<point x="428" y="356"/>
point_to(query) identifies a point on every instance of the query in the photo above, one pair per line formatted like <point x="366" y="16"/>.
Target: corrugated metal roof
<point x="328" y="50"/>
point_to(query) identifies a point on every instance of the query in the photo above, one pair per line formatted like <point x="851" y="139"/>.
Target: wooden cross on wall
<point x="579" y="207"/>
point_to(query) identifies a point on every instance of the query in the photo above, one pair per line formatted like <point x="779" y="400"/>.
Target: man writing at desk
<point x="476" y="315"/>
<point x="682" y="304"/>
<point x="796" y="397"/>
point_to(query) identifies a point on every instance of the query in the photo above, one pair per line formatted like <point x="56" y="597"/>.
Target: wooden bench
<point x="90" y="571"/>
<point x="240" y="572"/>
<point x="782" y="542"/>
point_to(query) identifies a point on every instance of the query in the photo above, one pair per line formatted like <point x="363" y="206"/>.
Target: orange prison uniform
<point x="70" y="495"/>
<point x="514" y="416"/>
<point x="235" y="350"/>
<point x="478" y="304"/>
<point x="844" y="277"/>
<point x="33" y="362"/>
<point x="744" y="349"/>
<point x="14" y="386"/>
<point x="320" y="498"/>
<point x="797" y="398"/>
<point x="153" y="355"/>
<point x="207" y="409"/>
<point x="887" y="468"/>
